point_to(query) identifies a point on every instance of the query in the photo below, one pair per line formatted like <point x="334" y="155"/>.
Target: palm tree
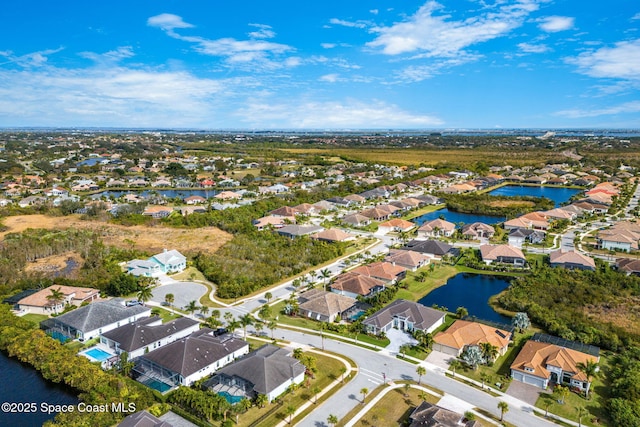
<point x="272" y="325"/>
<point x="268" y="296"/>
<point x="484" y="377"/>
<point x="245" y="321"/>
<point x="580" y="410"/>
<point x="423" y="396"/>
<point x="192" y="307"/>
<point x="296" y="283"/>
<point x="228" y="316"/>
<point x="489" y="351"/>
<point x="453" y="365"/>
<point x="56" y="297"/>
<point x="289" y="411"/>
<point x="332" y="419"/>
<point x="265" y="312"/>
<point x="204" y="310"/>
<point x="262" y="400"/>
<point x="145" y="294"/>
<point x="504" y="408"/>
<point x="297" y="353"/>
<point x="590" y="370"/>
<point x="169" y="299"/>
<point x="259" y="326"/>
<point x="315" y="390"/>
<point x="325" y="273"/>
<point x="420" y="370"/>
<point x="521" y="321"/>
<point x="461" y="312"/>
<point x="364" y="391"/>
<point x="233" y="325"/>
<point x="562" y="392"/>
<point x="343" y="370"/>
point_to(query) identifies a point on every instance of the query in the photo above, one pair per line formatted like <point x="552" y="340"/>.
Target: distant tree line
<point x="485" y="204"/>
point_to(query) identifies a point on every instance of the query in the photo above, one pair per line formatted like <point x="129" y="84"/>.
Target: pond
<point x="458" y="217"/>
<point x="471" y="291"/>
<point x="559" y="195"/>
<point x="171" y="194"/>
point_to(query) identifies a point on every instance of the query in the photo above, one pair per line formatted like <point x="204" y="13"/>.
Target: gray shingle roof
<point x="139" y="334"/>
<point x="266" y="368"/>
<point x="434" y="247"/>
<point x="100" y="314"/>
<point x="195" y="352"/>
<point x="421" y="316"/>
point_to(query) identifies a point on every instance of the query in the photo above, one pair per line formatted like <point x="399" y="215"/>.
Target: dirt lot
<point x="625" y="314"/>
<point x="149" y="239"/>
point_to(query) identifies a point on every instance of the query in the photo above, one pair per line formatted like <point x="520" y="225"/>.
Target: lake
<point x="170" y="193"/>
<point x="21" y="383"/>
<point x="471" y="291"/>
<point x="559" y="195"/>
<point x="458" y="217"/>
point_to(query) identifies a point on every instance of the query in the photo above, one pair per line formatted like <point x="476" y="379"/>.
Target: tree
<point x="504" y="408"/>
<point x="289" y="411"/>
<point x="472" y="356"/>
<point x="326" y="274"/>
<point x="55" y="297"/>
<point x="204" y="310"/>
<point x="590" y="370"/>
<point x="332" y="419"/>
<point x="315" y="390"/>
<point x="420" y="370"/>
<point x="262" y="400"/>
<point x="268" y="296"/>
<point x="259" y="326"/>
<point x="169" y="299"/>
<point x="485" y="378"/>
<point x="265" y="312"/>
<point x="245" y="321"/>
<point x="461" y="312"/>
<point x="407" y="386"/>
<point x="297" y="353"/>
<point x="272" y="325"/>
<point x="453" y="365"/>
<point x="145" y="294"/>
<point x="423" y="396"/>
<point x="343" y="370"/>
<point x="521" y="321"/>
<point x="364" y="391"/>
<point x="580" y="410"/>
<point x="228" y="316"/>
<point x="562" y="392"/>
<point x="192" y="307"/>
<point x="489" y="351"/>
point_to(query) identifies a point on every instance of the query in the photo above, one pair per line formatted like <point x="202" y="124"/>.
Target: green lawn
<point x="35" y="318"/>
<point x="417" y="289"/>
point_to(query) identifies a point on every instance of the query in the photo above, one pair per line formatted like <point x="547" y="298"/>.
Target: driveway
<point x="525" y="392"/>
<point x="183" y="293"/>
<point x="398" y="338"/>
<point x="439" y="359"/>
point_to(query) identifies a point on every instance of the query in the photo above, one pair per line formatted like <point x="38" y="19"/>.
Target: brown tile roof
<point x="71" y="293"/>
<point x="537" y="355"/>
<point x="325" y="303"/>
<point x="463" y="333"/>
<point x="380" y="270"/>
<point x="492" y="252"/>
<point x="437" y="223"/>
<point x="571" y="257"/>
<point x="398" y="223"/>
<point x="333" y="235"/>
<point x="356" y="283"/>
<point x="411" y="258"/>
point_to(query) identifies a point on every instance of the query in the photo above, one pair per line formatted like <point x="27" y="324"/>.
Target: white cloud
<point x="533" y="48"/>
<point x="351" y="24"/>
<point x="33" y="59"/>
<point x="330" y="78"/>
<point x="264" y="32"/>
<point x="335" y="114"/>
<point x="328" y="45"/>
<point x="417" y="73"/>
<point x="438" y="35"/>
<point x="374" y="11"/>
<point x="168" y="22"/>
<point x="122" y="52"/>
<point x="636" y="16"/>
<point x="628" y="107"/>
<point x="554" y="24"/>
<point x="620" y="62"/>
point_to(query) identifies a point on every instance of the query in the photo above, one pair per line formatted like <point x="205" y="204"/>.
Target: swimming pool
<point x="230" y="397"/>
<point x="97" y="354"/>
<point x="157" y="385"/>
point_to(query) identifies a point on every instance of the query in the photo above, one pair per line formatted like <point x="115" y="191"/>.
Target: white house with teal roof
<point x="170" y="261"/>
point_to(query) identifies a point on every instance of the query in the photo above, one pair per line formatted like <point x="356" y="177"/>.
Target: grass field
<point x="147" y="239"/>
<point x="435" y="278"/>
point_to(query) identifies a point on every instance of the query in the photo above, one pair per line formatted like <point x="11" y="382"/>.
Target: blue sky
<point x="332" y="65"/>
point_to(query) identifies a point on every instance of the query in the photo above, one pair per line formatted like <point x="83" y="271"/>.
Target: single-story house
<point x="478" y="230"/>
<point x="463" y="333"/>
<point x="534" y="220"/>
<point x="406" y="316"/>
<point x="157" y="211"/>
<point x="143" y="419"/>
<point x="571" y="260"/>
<point x="518" y="236"/>
<point x="354" y="285"/>
<point x="194" y="200"/>
<point x="41" y="303"/>
<point x="293" y="231"/>
<point x="356" y="220"/>
<point x="429" y="415"/>
<point x="397" y="225"/>
<point x="189" y="359"/>
<point x="272" y="222"/>
<point x="541" y="363"/>
<point x="435" y="248"/>
<point x="147" y="334"/>
<point x="436" y="228"/>
<point x="324" y="306"/>
<point x="143" y="267"/>
<point x="384" y="271"/>
<point x="89" y="321"/>
<point x="410" y="260"/>
<point x="504" y="254"/>
<point x="333" y="235"/>
<point x="285" y="212"/>
<point x="269" y="370"/>
<point x="628" y="265"/>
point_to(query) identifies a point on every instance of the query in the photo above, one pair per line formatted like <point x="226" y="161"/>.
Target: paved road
<point x="372" y="365"/>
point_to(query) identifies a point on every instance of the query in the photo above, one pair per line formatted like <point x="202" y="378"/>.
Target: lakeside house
<point x="436" y="228"/>
<point x="463" y="333"/>
<point x="405" y="316"/>
<point x="41" y="302"/>
<point x="189" y="359"/>
<point x="269" y="370"/>
<point x="571" y="260"/>
<point x="410" y="260"/>
<point x="503" y="254"/>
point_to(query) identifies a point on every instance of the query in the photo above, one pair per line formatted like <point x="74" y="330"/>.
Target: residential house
<point x="194" y="200"/>
<point x="429" y="415"/>
<point x="628" y="266"/>
<point x="147" y="334"/>
<point x="356" y="220"/>
<point x="434" y="248"/>
<point x="397" y="225"/>
<point x="463" y="333"/>
<point x="32" y="201"/>
<point x="533" y="220"/>
<point x="157" y="211"/>
<point x="353" y="285"/>
<point x="293" y="231"/>
<point x="376" y="214"/>
<point x="384" y="271"/>
<point x="228" y="195"/>
<point x="324" y="205"/>
<point x="142" y="267"/>
<point x="541" y="364"/>
<point x="324" y="306"/>
<point x="623" y="236"/>
<point x="89" y="321"/>
<point x="269" y="370"/>
<point x="189" y="359"/>
<point x="503" y="254"/>
<point x="143" y="419"/>
<point x="410" y="260"/>
<point x="355" y="198"/>
<point x="41" y="303"/>
<point x="571" y="260"/>
<point x="170" y="261"/>
<point x="272" y="222"/>
<point x="560" y="214"/>
<point x="436" y="228"/>
<point x="285" y="212"/>
<point x="406" y="316"/>
<point x="333" y="235"/>
<point x="478" y="230"/>
<point x="518" y="236"/>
